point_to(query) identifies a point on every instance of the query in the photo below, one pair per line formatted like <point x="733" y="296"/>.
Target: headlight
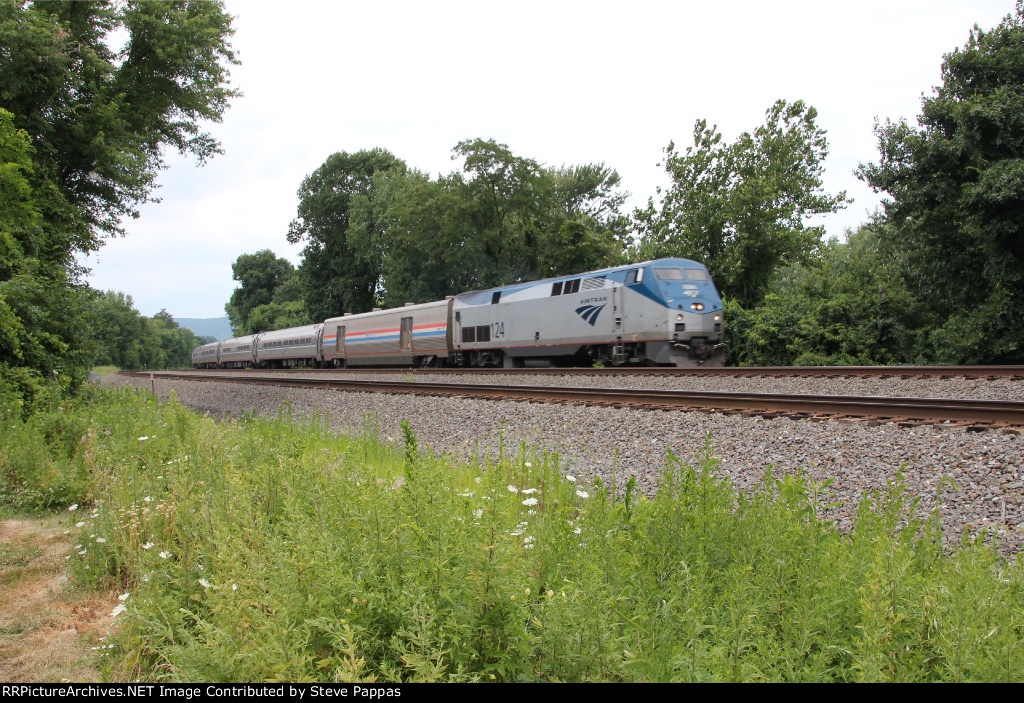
<point x="718" y="318"/>
<point x="696" y="306"/>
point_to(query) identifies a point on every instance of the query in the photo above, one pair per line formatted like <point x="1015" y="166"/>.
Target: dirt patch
<point x="48" y="632"/>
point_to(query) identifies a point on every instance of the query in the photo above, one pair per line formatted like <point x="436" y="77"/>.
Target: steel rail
<point x="1002" y="412"/>
<point x="814" y="371"/>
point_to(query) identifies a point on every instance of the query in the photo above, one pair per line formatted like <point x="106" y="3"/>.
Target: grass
<point x="271" y="549"/>
<point x="105" y="370"/>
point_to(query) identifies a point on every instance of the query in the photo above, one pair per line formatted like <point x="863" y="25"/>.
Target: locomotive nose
<point x="690" y="324"/>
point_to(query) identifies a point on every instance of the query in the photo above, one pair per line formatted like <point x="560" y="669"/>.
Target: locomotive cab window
<point x="496" y="297"/>
<point x="635" y="276"/>
<point x="556" y="288"/>
<point x="696" y="274"/>
<point x="572" y="286"/>
<point x="669" y="274"/>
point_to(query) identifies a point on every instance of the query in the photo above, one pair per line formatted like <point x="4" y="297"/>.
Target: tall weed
<point x="271" y="549"/>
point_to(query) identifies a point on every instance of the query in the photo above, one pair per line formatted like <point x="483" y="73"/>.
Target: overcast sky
<point x="559" y="82"/>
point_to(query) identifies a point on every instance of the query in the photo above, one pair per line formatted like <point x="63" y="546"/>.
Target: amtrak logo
<point x="589" y="313"/>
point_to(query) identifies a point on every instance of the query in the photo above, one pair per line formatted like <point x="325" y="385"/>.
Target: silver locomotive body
<point x="662" y="312"/>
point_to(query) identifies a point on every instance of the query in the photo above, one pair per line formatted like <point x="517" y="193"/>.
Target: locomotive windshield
<point x="681" y="274"/>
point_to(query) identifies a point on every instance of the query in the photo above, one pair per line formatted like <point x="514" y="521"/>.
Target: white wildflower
<point x="529" y="465"/>
<point x="528" y="542"/>
<point x="204" y="583"/>
<point x="147" y="545"/>
<point x="478" y="513"/>
<point x="582" y="494"/>
<point x="118" y="610"/>
<point x="143" y="439"/>
<point x="124" y="596"/>
<point x="234" y="587"/>
<point x="79" y="524"/>
<point x="148" y="499"/>
<point x="73" y="508"/>
<point x="164" y="555"/>
<point x="530" y="501"/>
<point x="512" y="489"/>
<point x="570" y="478"/>
<point x="100" y="540"/>
<point x="477" y="479"/>
<point x="529" y="491"/>
<point x="84" y="552"/>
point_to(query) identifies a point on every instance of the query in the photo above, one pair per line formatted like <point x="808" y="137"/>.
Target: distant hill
<point x="217" y="327"/>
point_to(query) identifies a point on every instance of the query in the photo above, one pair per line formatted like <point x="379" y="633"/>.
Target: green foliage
<point x="379" y="233"/>
<point x="337" y="277"/>
<point x="269" y="296"/>
<point x="848" y="306"/>
<point x="268" y="549"/>
<point x="740" y="209"/>
<point x="99" y="120"/>
<point x="122" y="337"/>
<point x="956" y="188"/>
<point x="82" y="134"/>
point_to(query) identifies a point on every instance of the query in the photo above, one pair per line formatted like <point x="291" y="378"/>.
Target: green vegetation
<point x="122" y="337"/>
<point x="268" y="297"/>
<point x="740" y="208"/>
<point x="267" y="549"/>
<point x="378" y="233"/>
<point x="84" y="130"/>
<point x="938" y="277"/>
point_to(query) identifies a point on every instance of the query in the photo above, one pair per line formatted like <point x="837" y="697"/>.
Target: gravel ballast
<point x="859" y="455"/>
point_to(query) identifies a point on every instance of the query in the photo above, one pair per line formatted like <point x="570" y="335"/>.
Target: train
<point x="665" y="312"/>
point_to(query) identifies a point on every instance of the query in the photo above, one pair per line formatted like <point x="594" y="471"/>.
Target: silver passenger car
<point x="414" y="334"/>
<point x="206" y="356"/>
<point x="238" y="352"/>
<point x="295" y="346"/>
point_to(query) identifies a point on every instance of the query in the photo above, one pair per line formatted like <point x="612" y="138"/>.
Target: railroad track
<point x="975" y="414"/>
<point x="981" y="372"/>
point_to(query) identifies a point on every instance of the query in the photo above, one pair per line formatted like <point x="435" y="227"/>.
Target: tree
<point x="42" y="322"/>
<point x="955" y="209"/>
<point x="741" y="208"/>
<point x="848" y="306"/>
<point x="379" y="233"/>
<point x="264" y="280"/>
<point x="123" y="337"/>
<point x="336" y="277"/>
<point x="99" y="120"/>
<point x="83" y="128"/>
<point x="508" y="192"/>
